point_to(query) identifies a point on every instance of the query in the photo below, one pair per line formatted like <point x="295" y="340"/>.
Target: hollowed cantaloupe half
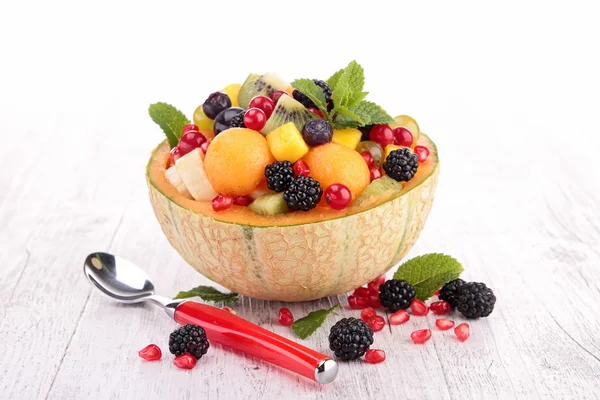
<point x="296" y="256"/>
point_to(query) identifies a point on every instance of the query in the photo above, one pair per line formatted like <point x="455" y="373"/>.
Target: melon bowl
<point x="296" y="256"/>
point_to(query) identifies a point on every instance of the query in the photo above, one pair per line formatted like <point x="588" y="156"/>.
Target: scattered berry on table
<point x="448" y="292"/>
<point x="189" y="141"/>
<point x="401" y="165"/>
<point x="368" y="157"/>
<point x="419" y="308"/>
<point x="422" y="153"/>
<point x="285" y="317"/>
<point x="382" y="134"/>
<point x="441" y="307"/>
<point x="189" y="339"/>
<point x="366" y="131"/>
<point x="304" y="193"/>
<point x="350" y="338"/>
<point x="338" y="196"/>
<point x="185" y="361"/>
<point x="462" y="332"/>
<point x="317" y="112"/>
<point x="374" y="287"/>
<point x="243" y="201"/>
<point x="222" y="202"/>
<point x="301" y="168"/>
<point x="224" y="119"/>
<point x="215" y="103"/>
<point x="279" y="175"/>
<point x="357" y="303"/>
<point x="367" y="314"/>
<point x="475" y="300"/>
<point x="277" y="94"/>
<point x="361" y="292"/>
<point x="420" y="336"/>
<point x="317" y="132"/>
<point x="255" y="118"/>
<point x="376" y="323"/>
<point x="264" y="103"/>
<point x="396" y="294"/>
<point x="402" y="137"/>
<point x="150" y="353"/>
<point x="373" y="356"/>
<point x="189" y="127"/>
<point x="374" y="301"/>
<point x="444" y="324"/>
<point x="229" y="310"/>
<point x="399" y="317"/>
<point x="238" y="120"/>
<point x="380" y="279"/>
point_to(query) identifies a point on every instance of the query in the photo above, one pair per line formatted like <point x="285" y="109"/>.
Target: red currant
<point x="301" y="168"/>
<point x="255" y="118"/>
<point x="263" y="103"/>
<point x="382" y="134"/>
<point x="338" y="196"/>
<point x="422" y="153"/>
<point x="376" y="323"/>
<point x="285" y="317"/>
<point x="374" y="356"/>
<point x="419" y="308"/>
<point x="356" y="303"/>
<point x="150" y="353"/>
<point x="204" y="146"/>
<point x="175" y="154"/>
<point x="277" y="94"/>
<point x="399" y="317"/>
<point x="444" y="324"/>
<point x="440" y="307"/>
<point x="374" y="301"/>
<point x="189" y="127"/>
<point x="317" y="112"/>
<point x="403" y="137"/>
<point x="222" y="202"/>
<point x="242" y="201"/>
<point x="367" y="314"/>
<point x="368" y="157"/>
<point x="185" y="361"/>
<point x="189" y="141"/>
<point x="462" y="332"/>
<point x="361" y="292"/>
<point x="375" y="172"/>
<point x="421" y="336"/>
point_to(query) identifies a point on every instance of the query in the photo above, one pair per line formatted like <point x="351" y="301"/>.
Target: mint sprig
<point x="207" y="293"/>
<point x="428" y="272"/>
<point x="304" y="327"/>
<point x="170" y="120"/>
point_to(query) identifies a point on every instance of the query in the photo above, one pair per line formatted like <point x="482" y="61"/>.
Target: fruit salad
<point x="275" y="147"/>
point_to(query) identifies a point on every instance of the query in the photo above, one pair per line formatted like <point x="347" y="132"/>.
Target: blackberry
<point x="448" y="291"/>
<point x="189" y="339"/>
<point x="307" y="102"/>
<point x="401" y="164"/>
<point x="396" y="294"/>
<point x="317" y="132"/>
<point x="238" y="120"/>
<point x="279" y="175"/>
<point x="215" y="103"/>
<point x="475" y="300"/>
<point x="304" y="193"/>
<point x="366" y="132"/>
<point x="350" y="338"/>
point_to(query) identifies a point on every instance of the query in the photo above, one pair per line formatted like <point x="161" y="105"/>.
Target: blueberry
<point x="216" y="102"/>
<point x="225" y="119"/>
<point x="317" y="131"/>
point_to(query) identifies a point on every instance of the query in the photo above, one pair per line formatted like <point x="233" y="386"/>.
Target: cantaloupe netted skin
<point x="298" y="262"/>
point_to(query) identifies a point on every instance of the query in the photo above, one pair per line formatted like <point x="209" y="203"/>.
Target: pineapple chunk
<point x="389" y="148"/>
<point x="286" y="143"/>
<point x="347" y="137"/>
<point x="233" y="91"/>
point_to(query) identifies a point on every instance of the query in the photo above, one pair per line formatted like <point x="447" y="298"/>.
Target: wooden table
<point x="518" y="204"/>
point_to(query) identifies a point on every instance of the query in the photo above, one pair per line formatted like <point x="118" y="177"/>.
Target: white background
<point x="510" y="92"/>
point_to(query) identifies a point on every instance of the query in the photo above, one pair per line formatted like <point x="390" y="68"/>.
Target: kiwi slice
<point x="269" y="204"/>
<point x="259" y="85"/>
<point x="288" y="110"/>
<point x="377" y="187"/>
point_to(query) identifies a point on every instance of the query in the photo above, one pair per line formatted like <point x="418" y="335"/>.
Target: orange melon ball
<point x="333" y="163"/>
<point x="235" y="161"/>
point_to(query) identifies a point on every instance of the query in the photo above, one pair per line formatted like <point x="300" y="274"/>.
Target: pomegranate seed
<point x="301" y="168"/>
<point x="264" y="103"/>
<point x="189" y="141"/>
<point x="204" y="146"/>
<point x="361" y="292"/>
<point x="374" y="287"/>
<point x="422" y="153"/>
<point x="356" y="303"/>
<point x="419" y="308"/>
<point x="338" y="196"/>
<point x="375" y="173"/>
<point x="175" y="154"/>
<point x="285" y="317"/>
<point x="421" y="336"/>
<point x="399" y="317"/>
<point x="255" y="119"/>
<point x="462" y="332"/>
<point x="317" y="112"/>
<point x="368" y="157"/>
<point x="185" y="361"/>
<point x="222" y="202"/>
<point x="242" y="200"/>
<point x="441" y="307"/>
<point x="367" y="314"/>
<point x="229" y="309"/>
<point x="376" y="323"/>
<point x="189" y="127"/>
<point x="403" y="137"/>
<point x="150" y="353"/>
<point x="444" y="324"/>
<point x="374" y="301"/>
<point x="380" y="279"/>
<point x="382" y="134"/>
<point x="373" y="356"/>
<point x="277" y="94"/>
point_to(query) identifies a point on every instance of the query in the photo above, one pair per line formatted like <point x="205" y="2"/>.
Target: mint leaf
<point x="347" y="85"/>
<point x="207" y="293"/>
<point x="368" y="112"/>
<point x="304" y="327"/>
<point x="344" y="122"/>
<point x="350" y="114"/>
<point x="428" y="272"/>
<point x="333" y="80"/>
<point x="313" y="92"/>
<point x="170" y="120"/>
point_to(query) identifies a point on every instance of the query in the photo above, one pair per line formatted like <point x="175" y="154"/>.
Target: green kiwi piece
<point x="259" y="85"/>
<point x="378" y="186"/>
<point x="269" y="204"/>
<point x="288" y="110"/>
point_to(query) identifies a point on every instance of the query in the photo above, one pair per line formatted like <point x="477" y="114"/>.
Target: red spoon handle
<point x="232" y="331"/>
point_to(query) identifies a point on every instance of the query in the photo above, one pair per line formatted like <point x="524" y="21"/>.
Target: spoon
<point x="127" y="283"/>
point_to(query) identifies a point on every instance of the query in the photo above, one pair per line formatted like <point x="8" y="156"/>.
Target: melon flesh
<point x="294" y="256"/>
